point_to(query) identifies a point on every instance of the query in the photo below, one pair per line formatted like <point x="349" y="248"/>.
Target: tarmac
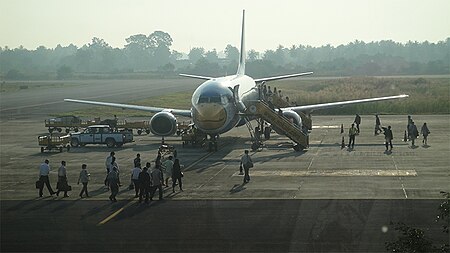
<point x="323" y="199"/>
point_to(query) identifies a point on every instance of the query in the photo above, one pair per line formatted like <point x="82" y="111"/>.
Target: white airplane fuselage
<point x="214" y="110"/>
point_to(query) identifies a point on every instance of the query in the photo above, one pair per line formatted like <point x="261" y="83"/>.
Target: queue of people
<point x="145" y="181"/>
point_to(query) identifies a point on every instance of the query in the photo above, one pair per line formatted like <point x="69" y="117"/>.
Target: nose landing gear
<point x="212" y="144"/>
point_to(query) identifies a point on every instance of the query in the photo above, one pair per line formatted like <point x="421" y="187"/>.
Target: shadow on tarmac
<point x="237" y="188"/>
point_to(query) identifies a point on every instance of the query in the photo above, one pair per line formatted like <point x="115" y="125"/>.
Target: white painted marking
<point x="333" y="173"/>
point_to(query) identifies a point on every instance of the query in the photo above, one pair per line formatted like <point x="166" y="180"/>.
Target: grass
<point x="427" y="96"/>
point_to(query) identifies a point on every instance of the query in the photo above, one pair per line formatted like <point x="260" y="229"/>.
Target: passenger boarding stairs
<point x="261" y="109"/>
<point x="281" y="103"/>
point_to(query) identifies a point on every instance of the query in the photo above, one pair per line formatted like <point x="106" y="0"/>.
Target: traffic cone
<point x="342" y="128"/>
<point x="342" y="143"/>
<point x="405" y="138"/>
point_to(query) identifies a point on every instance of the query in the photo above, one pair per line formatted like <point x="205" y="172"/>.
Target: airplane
<point x="219" y="103"/>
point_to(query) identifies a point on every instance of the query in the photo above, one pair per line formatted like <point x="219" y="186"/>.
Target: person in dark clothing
<point x="137" y="160"/>
<point x="425" y="132"/>
<point x="84" y="179"/>
<point x="388" y="136"/>
<point x="145" y="183"/>
<point x="62" y="184"/>
<point x="408" y="129"/>
<point x="377" y="125"/>
<point x="114" y="184"/>
<point x="357" y="122"/>
<point x="413" y="133"/>
<point x="177" y="175"/>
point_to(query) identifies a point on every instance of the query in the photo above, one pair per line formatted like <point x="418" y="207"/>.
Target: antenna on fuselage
<point x="241" y="67"/>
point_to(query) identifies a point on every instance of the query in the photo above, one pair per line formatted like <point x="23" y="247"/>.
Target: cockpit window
<point x="213" y="99"/>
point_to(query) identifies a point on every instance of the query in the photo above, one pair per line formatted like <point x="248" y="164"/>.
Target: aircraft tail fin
<point x="242" y="55"/>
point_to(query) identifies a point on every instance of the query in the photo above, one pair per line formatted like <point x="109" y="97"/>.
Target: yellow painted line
<point x="115" y="213"/>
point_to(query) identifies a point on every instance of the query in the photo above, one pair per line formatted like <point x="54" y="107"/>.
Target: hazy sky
<point x="214" y="24"/>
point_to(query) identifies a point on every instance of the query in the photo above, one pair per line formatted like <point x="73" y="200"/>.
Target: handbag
<point x="39" y="184"/>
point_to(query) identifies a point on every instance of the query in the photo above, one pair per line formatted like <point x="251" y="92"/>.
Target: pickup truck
<point x="101" y="134"/>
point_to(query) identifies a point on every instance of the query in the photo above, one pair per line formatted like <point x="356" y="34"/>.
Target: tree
<point x="253" y="55"/>
<point x="232" y="53"/>
<point x="196" y="54"/>
<point x="160" y="38"/>
<point x="64" y="72"/>
<point x="212" y="56"/>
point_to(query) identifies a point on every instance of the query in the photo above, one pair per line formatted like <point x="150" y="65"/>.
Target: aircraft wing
<point x="197" y="77"/>
<point x="186" y="113"/>
<point x="265" y="79"/>
<point x="310" y="108"/>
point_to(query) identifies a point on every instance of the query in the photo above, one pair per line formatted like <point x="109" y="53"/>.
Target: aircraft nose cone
<point x="210" y="116"/>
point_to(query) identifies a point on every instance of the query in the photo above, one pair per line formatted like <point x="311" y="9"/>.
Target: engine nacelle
<point x="163" y="124"/>
<point x="291" y="116"/>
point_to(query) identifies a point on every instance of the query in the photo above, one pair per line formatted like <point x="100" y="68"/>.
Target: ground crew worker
<point x="137" y="160"/>
<point x="352" y="131"/>
<point x="425" y="132"/>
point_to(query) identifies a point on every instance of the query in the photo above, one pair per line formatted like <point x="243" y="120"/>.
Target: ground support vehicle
<point x="101" y="134"/>
<point x="193" y="136"/>
<point x="54" y="141"/>
<point x="70" y="123"/>
<point x="140" y="126"/>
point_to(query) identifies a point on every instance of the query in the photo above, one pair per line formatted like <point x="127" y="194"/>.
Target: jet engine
<point x="163" y="124"/>
<point x="291" y="116"/>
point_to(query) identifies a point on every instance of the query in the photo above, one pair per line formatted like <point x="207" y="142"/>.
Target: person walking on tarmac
<point x="44" y="171"/>
<point x="413" y="132"/>
<point x="157" y="181"/>
<point x="377" y="125"/>
<point x="388" y="136"/>
<point x="352" y="131"/>
<point x="247" y="163"/>
<point x="145" y="183"/>
<point x="62" y="184"/>
<point x="177" y="175"/>
<point x="84" y="179"/>
<point x="425" y="132"/>
<point x="357" y="122"/>
<point x="114" y="183"/>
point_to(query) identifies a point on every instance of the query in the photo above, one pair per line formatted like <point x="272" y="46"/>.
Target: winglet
<point x="242" y="55"/>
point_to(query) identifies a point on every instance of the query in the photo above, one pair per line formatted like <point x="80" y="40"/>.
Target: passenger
<point x="137" y="160"/>
<point x="157" y="180"/>
<point x="408" y="127"/>
<point x="108" y="165"/>
<point x="145" y="183"/>
<point x="425" y="132"/>
<point x="62" y="184"/>
<point x="414" y="133"/>
<point x="167" y="169"/>
<point x="135" y="178"/>
<point x="114" y="183"/>
<point x="279" y="93"/>
<point x="247" y="163"/>
<point x="269" y="91"/>
<point x="287" y="99"/>
<point x="44" y="171"/>
<point x="357" y="122"/>
<point x="175" y="153"/>
<point x="265" y="90"/>
<point x="275" y="91"/>
<point x="177" y="175"/>
<point x="377" y="125"/>
<point x="267" y="130"/>
<point x="388" y="136"/>
<point x="84" y="179"/>
<point x="352" y="131"/>
<point x="158" y="165"/>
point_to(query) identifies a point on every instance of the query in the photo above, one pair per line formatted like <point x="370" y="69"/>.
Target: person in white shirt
<point x="84" y="179"/>
<point x="167" y="169"/>
<point x="247" y="163"/>
<point x="44" y="171"/>
<point x="108" y="165"/>
<point x="135" y="178"/>
<point x="157" y="180"/>
<point x="62" y="180"/>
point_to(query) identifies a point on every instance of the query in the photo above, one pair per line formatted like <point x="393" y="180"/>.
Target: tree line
<point x="152" y="54"/>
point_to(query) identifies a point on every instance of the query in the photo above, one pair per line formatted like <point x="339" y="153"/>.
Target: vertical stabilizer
<point x="241" y="67"/>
